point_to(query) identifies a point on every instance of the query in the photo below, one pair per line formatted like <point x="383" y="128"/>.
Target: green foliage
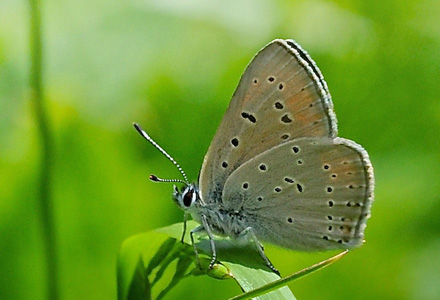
<point x="145" y="258"/>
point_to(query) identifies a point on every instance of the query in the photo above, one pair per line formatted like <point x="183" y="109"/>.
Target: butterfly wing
<point x="306" y="194"/>
<point x="281" y="96"/>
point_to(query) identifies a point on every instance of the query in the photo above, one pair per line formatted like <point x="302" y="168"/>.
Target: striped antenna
<point x="154" y="177"/>
<point x="157" y="179"/>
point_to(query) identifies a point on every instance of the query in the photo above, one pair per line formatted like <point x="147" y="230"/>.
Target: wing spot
<point x="255" y="81"/>
<point x="245" y="185"/>
<point x="263" y="167"/>
<point x="340" y="241"/>
<point x="290" y="220"/>
<point x="289" y="180"/>
<point x="234" y="142"/>
<point x="224" y="164"/>
<point x="329" y="189"/>
<point x="331" y="203"/>
<point x="295" y="149"/>
<point x="248" y="116"/>
<point x="271" y="79"/>
<point x="330" y="228"/>
<point x="286" y="119"/>
<point x="325" y="237"/>
<point x="351" y="187"/>
<point x="311" y="105"/>
<point x="281" y="86"/>
<point x="278" y="105"/>
<point x="284" y="136"/>
<point x="334" y="175"/>
<point x="348" y="204"/>
<point x="299" y="162"/>
<point x="260" y="198"/>
<point x="299" y="187"/>
<point x="326" y="167"/>
<point x="277" y="189"/>
<point x="330" y="218"/>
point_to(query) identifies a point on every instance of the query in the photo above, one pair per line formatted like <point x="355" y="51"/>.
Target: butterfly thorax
<point x="222" y="221"/>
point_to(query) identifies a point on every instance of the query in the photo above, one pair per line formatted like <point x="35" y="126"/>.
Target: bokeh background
<point x="172" y="66"/>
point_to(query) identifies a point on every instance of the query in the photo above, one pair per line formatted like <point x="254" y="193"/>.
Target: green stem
<point x="284" y="281"/>
<point x="44" y="131"/>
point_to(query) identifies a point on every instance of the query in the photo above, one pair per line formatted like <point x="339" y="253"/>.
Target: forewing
<point x="281" y="96"/>
<point x="306" y="194"/>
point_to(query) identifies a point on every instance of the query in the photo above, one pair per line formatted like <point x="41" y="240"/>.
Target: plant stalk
<point x="45" y="202"/>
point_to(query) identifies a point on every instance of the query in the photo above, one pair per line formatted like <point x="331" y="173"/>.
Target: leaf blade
<point x="243" y="264"/>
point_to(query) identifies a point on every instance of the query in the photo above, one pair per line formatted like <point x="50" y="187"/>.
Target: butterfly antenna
<point x="157" y="179"/>
<point x="154" y="177"/>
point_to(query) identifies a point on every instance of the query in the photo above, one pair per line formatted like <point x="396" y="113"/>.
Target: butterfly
<point x="276" y="171"/>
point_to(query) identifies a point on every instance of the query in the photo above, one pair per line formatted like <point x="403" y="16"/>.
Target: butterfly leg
<point x="211" y="240"/>
<point x="249" y="231"/>
<point x="185" y="219"/>
<point x="198" y="229"/>
<point x="204" y="228"/>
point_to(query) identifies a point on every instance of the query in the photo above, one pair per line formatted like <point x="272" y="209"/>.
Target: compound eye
<point x="188" y="198"/>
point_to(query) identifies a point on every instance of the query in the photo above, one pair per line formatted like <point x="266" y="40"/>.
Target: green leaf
<point x="159" y="248"/>
<point x="182" y="266"/>
<point x="283" y="281"/>
<point x="131" y="271"/>
<point x="160" y="255"/>
<point x="140" y="286"/>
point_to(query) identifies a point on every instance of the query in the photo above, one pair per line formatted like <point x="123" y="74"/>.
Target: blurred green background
<point x="172" y="66"/>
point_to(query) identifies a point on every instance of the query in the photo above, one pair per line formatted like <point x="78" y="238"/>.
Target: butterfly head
<point x="187" y="197"/>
